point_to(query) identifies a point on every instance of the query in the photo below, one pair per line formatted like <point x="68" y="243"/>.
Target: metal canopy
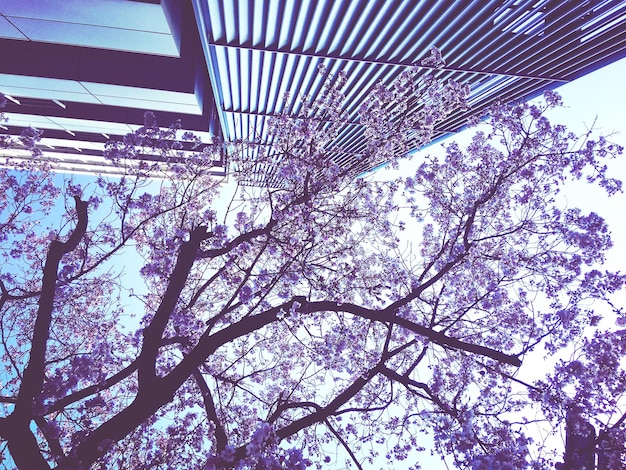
<point x="505" y="50"/>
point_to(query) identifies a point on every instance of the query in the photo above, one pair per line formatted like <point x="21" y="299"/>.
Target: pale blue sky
<point x="600" y="96"/>
<point x="597" y="99"/>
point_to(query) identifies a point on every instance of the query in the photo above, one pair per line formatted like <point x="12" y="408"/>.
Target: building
<point x="85" y="71"/>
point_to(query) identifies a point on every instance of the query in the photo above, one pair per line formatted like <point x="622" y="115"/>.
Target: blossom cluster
<point x="314" y="317"/>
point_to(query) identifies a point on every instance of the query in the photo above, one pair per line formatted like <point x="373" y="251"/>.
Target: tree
<point x="145" y="325"/>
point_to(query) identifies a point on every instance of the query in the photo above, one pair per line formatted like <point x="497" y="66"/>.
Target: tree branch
<point x="22" y="443"/>
<point x="344" y="444"/>
<point x="92" y="389"/>
<point x="221" y="439"/>
<point x="149" y="400"/>
<point x="161" y="391"/>
<point x="391" y="317"/>
<point x="153" y="333"/>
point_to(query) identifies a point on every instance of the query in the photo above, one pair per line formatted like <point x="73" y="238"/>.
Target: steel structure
<point x="223" y="66"/>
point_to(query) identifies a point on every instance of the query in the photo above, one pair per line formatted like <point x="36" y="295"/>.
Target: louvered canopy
<point x="505" y="50"/>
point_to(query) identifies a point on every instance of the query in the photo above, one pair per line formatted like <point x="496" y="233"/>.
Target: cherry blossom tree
<point x="322" y="320"/>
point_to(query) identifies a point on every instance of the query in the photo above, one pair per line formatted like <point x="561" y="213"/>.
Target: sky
<point x="596" y="100"/>
<point x="600" y="95"/>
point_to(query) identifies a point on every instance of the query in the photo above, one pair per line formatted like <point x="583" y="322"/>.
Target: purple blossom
<point x="312" y="313"/>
